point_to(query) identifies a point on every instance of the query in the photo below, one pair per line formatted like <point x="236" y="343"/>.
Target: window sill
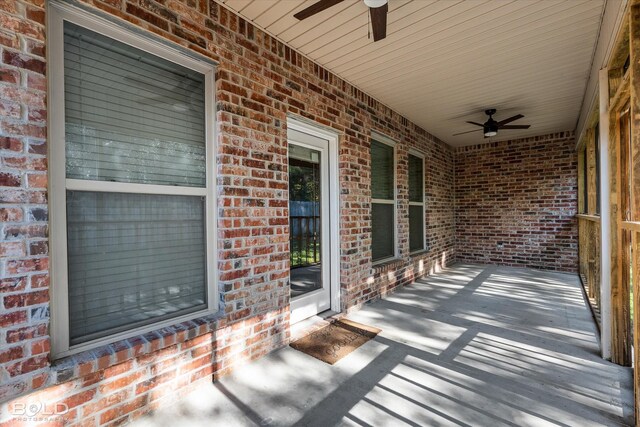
<point x="386" y="265"/>
<point x="419" y="253"/>
<point x="108" y="355"/>
<point x="594" y="218"/>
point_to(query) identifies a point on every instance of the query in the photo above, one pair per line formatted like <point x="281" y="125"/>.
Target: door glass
<point x="304" y="219"/>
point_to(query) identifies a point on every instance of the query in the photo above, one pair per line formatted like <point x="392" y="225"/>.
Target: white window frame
<point x="58" y="13"/>
<point x="383" y="139"/>
<point x="422" y="157"/>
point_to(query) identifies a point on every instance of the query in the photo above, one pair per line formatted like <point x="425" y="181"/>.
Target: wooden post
<point x="634" y="176"/>
<point x="619" y="343"/>
<point x="592" y="197"/>
<point x="582" y="179"/>
<point x="634" y="103"/>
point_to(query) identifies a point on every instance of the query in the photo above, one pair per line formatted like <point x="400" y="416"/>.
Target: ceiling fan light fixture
<point x="490" y="128"/>
<point x="375" y="3"/>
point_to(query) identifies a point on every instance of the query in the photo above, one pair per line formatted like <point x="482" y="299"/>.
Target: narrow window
<point x="131" y="187"/>
<point x="416" y="203"/>
<point x="383" y="206"/>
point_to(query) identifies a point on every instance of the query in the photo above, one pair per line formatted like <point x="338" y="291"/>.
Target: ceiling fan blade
<point x="476" y="123"/>
<point x="469" y="131"/>
<point x="379" y="21"/>
<point x="316" y="8"/>
<point x="515" y="127"/>
<point x="509" y="120"/>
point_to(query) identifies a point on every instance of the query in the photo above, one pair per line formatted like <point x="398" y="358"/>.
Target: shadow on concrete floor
<point x="471" y="346"/>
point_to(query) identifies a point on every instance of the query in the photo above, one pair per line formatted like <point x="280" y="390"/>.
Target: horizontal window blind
<point x="383" y="204"/>
<point x="382" y="231"/>
<point x="416" y="227"/>
<point x="133" y="259"/>
<point x="130" y="115"/>
<point x="382" y="173"/>
<point x="416" y="177"/>
<point x="416" y="203"/>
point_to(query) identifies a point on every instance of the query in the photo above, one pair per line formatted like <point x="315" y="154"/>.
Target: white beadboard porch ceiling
<point x="446" y="61"/>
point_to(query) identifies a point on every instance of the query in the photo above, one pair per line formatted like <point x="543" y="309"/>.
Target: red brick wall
<point x="259" y="81"/>
<point x="24" y="282"/>
<point x="520" y="194"/>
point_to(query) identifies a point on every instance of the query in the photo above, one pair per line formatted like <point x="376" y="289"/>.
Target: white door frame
<point x="334" y="205"/>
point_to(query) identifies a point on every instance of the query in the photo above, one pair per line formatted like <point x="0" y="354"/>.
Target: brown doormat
<point x="335" y="340"/>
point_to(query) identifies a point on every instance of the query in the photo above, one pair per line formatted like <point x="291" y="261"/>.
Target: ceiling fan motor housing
<point x="491" y="125"/>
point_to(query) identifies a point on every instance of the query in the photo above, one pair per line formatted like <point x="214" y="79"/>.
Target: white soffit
<point x="445" y="61"/>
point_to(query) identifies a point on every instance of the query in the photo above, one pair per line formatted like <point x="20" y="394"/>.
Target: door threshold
<point x="311" y="324"/>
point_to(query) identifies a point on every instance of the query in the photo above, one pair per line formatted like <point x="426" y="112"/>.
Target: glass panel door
<point x="304" y="220"/>
<point x="309" y="225"/>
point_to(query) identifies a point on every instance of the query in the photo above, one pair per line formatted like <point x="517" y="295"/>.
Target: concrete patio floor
<point x="471" y="346"/>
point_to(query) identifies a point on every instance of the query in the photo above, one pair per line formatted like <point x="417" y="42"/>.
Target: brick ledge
<point x="387" y="265"/>
<point x="91" y="361"/>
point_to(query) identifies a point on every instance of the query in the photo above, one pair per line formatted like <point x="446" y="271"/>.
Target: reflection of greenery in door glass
<point x="303" y="181"/>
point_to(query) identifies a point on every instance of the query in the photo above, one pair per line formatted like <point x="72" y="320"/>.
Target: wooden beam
<point x="620" y="351"/>
<point x="631" y="225"/>
<point x="634" y="103"/>
<point x="633" y="198"/>
<point x="622" y="93"/>
<point x="592" y="218"/>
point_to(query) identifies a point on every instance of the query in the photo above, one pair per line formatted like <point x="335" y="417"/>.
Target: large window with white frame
<point x="417" y="235"/>
<point x="131" y="200"/>
<point x="383" y="195"/>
